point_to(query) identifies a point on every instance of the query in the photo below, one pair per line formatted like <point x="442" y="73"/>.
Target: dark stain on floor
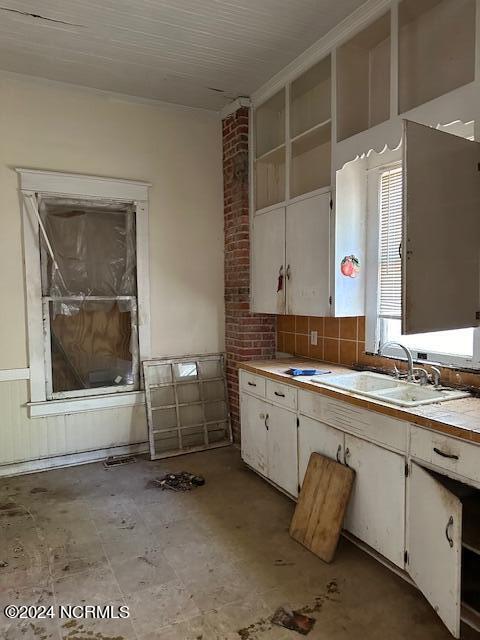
<point x="265" y="624"/>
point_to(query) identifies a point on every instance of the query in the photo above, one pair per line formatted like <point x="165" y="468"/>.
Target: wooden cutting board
<point x="318" y="518"/>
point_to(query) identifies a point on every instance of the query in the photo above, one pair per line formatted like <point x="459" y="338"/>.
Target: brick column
<point x="247" y="336"/>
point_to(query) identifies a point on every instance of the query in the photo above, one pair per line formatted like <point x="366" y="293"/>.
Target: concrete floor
<point x="211" y="564"/>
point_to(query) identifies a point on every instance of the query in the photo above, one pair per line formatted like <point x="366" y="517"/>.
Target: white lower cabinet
<point x="376" y="511"/>
<point x="282" y="448"/>
<point x="315" y="436"/>
<point x="434" y="544"/>
<point x="254" y="433"/>
<point x="420" y="520"/>
<point x="269" y="441"/>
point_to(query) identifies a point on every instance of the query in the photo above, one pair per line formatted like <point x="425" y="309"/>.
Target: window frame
<point x="373" y="321"/>
<point x="52" y="184"/>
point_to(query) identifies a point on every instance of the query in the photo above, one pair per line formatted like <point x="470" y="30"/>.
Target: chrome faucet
<point x="423" y="376"/>
<point x="408" y="353"/>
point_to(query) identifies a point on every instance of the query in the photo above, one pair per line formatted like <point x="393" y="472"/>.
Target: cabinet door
<point x="376" y="512"/>
<point x="314" y="436"/>
<point x="254" y="433"/>
<point x="268" y="262"/>
<point x="434" y="544"/>
<point x="441" y="230"/>
<point x="308" y="249"/>
<point x="282" y="449"/>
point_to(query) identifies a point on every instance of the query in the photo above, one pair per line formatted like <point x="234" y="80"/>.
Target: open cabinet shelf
<point x="311" y="161"/>
<point x="363" y="79"/>
<point x="310" y="98"/>
<point x="270" y="124"/>
<point x="436" y="49"/>
<point x="270" y="178"/>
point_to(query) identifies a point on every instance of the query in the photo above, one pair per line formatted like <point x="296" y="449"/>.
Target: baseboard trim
<point x="69" y="460"/>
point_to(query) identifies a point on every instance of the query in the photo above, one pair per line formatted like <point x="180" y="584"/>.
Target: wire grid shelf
<point x="187" y="404"/>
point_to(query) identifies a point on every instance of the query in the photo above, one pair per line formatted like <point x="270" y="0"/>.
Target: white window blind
<point x="390" y="263"/>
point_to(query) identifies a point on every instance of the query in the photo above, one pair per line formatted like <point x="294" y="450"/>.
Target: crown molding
<point x="235" y="106"/>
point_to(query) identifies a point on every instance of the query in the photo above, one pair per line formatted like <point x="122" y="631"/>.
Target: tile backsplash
<point x="342" y="341"/>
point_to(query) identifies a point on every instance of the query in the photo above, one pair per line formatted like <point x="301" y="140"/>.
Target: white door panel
<point x="441" y="230"/>
<point x="434" y="544"/>
<point x="376" y="512"/>
<point x="254" y="432"/>
<point x="307" y="256"/>
<point x="268" y="262"/>
<point x="282" y="448"/>
<point x="314" y="436"/>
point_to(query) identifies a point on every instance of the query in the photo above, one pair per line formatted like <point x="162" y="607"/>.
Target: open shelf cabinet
<point x="436" y="49"/>
<point x="310" y="98"/>
<point x="270" y="124"/>
<point x="270" y="178"/>
<point x="311" y="160"/>
<point x="270" y="151"/>
<point x="363" y="79"/>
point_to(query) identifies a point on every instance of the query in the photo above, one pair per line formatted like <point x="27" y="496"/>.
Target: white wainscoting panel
<point x="24" y="439"/>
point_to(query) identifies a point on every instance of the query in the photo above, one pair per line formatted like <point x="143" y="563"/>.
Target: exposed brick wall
<point x="248" y="336"/>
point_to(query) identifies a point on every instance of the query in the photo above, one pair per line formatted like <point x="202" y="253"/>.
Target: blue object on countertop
<point x="306" y="372"/>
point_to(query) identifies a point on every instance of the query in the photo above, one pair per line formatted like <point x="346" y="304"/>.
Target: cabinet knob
<point x="266" y="422"/>
<point x="346" y="456"/>
<point x="339" y="451"/>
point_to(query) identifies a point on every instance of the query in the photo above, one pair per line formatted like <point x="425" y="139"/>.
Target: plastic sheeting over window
<point x="89" y="296"/>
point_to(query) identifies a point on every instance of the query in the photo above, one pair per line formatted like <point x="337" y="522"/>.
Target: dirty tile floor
<point x="210" y="564"/>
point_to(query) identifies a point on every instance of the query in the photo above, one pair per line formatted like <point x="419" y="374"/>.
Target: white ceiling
<point x="201" y="53"/>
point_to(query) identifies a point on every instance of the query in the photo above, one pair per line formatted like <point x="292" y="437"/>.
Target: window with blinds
<point x="390" y="263"/>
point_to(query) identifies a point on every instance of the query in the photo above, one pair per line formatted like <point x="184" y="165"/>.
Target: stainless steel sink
<point x="387" y="389"/>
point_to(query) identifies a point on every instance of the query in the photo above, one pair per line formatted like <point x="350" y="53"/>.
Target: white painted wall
<point x="46" y="125"/>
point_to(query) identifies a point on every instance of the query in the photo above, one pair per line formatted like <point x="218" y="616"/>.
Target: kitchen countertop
<point x="458" y="418"/>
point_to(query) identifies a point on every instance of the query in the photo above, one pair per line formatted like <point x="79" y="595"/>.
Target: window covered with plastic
<point x="89" y="295"/>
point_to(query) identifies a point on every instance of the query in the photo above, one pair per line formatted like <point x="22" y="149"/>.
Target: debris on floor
<point x="118" y="461"/>
<point x="293" y="620"/>
<point x="183" y="481"/>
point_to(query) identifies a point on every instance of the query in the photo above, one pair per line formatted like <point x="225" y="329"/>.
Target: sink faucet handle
<point x="422" y="374"/>
<point x="436" y="375"/>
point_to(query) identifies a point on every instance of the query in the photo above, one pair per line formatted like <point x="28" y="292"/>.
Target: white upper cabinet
<point x="441" y="230"/>
<point x="268" y="262"/>
<point x="434" y="544"/>
<point x="307" y="256"/>
<point x="315" y="135"/>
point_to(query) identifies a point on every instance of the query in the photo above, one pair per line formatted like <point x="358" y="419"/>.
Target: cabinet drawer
<point x="311" y="404"/>
<point x="252" y="384"/>
<point x="461" y="458"/>
<point x="282" y="394"/>
<point x="370" y="424"/>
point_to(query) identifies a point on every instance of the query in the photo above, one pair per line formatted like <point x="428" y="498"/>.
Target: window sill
<point x="89" y="403"/>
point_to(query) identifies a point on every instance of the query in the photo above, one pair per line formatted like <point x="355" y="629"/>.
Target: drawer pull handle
<point x="339" y="451"/>
<point x="252" y="384"/>
<point x="266" y="422"/>
<point x="449" y="524"/>
<point x="346" y="456"/>
<point x="451" y="456"/>
<point x="280" y="395"/>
